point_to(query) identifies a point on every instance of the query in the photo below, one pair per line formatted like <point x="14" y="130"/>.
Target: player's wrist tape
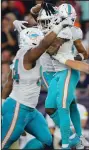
<point x="31" y="11"/>
<point x="60" y="59"/>
<point x="81" y="56"/>
<point x="57" y="28"/>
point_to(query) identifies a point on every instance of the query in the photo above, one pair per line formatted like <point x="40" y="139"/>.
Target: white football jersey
<point x="26" y="83"/>
<point x="46" y="62"/>
<point x="67" y="49"/>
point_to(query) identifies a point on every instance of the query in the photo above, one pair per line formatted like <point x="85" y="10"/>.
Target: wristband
<point x="81" y="56"/>
<point x="61" y="59"/>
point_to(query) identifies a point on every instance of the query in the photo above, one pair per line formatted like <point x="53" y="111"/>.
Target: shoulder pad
<point x="77" y="33"/>
<point x="65" y="33"/>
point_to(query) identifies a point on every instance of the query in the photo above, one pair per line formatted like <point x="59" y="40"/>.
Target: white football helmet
<point x="67" y="11"/>
<point x="44" y="20"/>
<point x="29" y="38"/>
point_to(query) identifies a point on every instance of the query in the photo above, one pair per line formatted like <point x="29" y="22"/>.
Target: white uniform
<point x="46" y="62"/>
<point x="66" y="50"/>
<point x="27" y="90"/>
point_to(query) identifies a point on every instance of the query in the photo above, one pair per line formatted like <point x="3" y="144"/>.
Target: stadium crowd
<point x="20" y="10"/>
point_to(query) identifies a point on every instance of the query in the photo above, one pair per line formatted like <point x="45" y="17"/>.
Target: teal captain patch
<point x="15" y="71"/>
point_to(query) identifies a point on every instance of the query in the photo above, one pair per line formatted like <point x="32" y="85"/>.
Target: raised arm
<point x="48" y="7"/>
<point x="64" y="36"/>
<point x="35" y="53"/>
<point x="35" y="10"/>
<point x="8" y="86"/>
<point x="53" y="49"/>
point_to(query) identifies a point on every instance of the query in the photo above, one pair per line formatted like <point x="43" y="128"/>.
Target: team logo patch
<point x="33" y="36"/>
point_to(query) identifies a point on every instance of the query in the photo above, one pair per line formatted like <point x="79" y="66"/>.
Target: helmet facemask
<point x="44" y="25"/>
<point x="44" y="21"/>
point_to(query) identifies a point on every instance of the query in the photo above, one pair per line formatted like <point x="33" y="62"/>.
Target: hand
<point x="48" y="8"/>
<point x="66" y="22"/>
<point x="19" y="25"/>
<point x="79" y="57"/>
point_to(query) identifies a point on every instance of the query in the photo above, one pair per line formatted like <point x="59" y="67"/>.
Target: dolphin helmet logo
<point x="33" y="36"/>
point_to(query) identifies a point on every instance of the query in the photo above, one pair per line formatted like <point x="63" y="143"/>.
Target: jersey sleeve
<point x="76" y="33"/>
<point x="65" y="33"/>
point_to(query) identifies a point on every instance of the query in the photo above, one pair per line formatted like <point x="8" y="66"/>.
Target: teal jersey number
<point x="15" y="71"/>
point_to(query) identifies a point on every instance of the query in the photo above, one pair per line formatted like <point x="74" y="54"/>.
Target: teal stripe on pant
<point x="65" y="82"/>
<point x="65" y="95"/>
<point x="28" y="119"/>
<point x="58" y="87"/>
